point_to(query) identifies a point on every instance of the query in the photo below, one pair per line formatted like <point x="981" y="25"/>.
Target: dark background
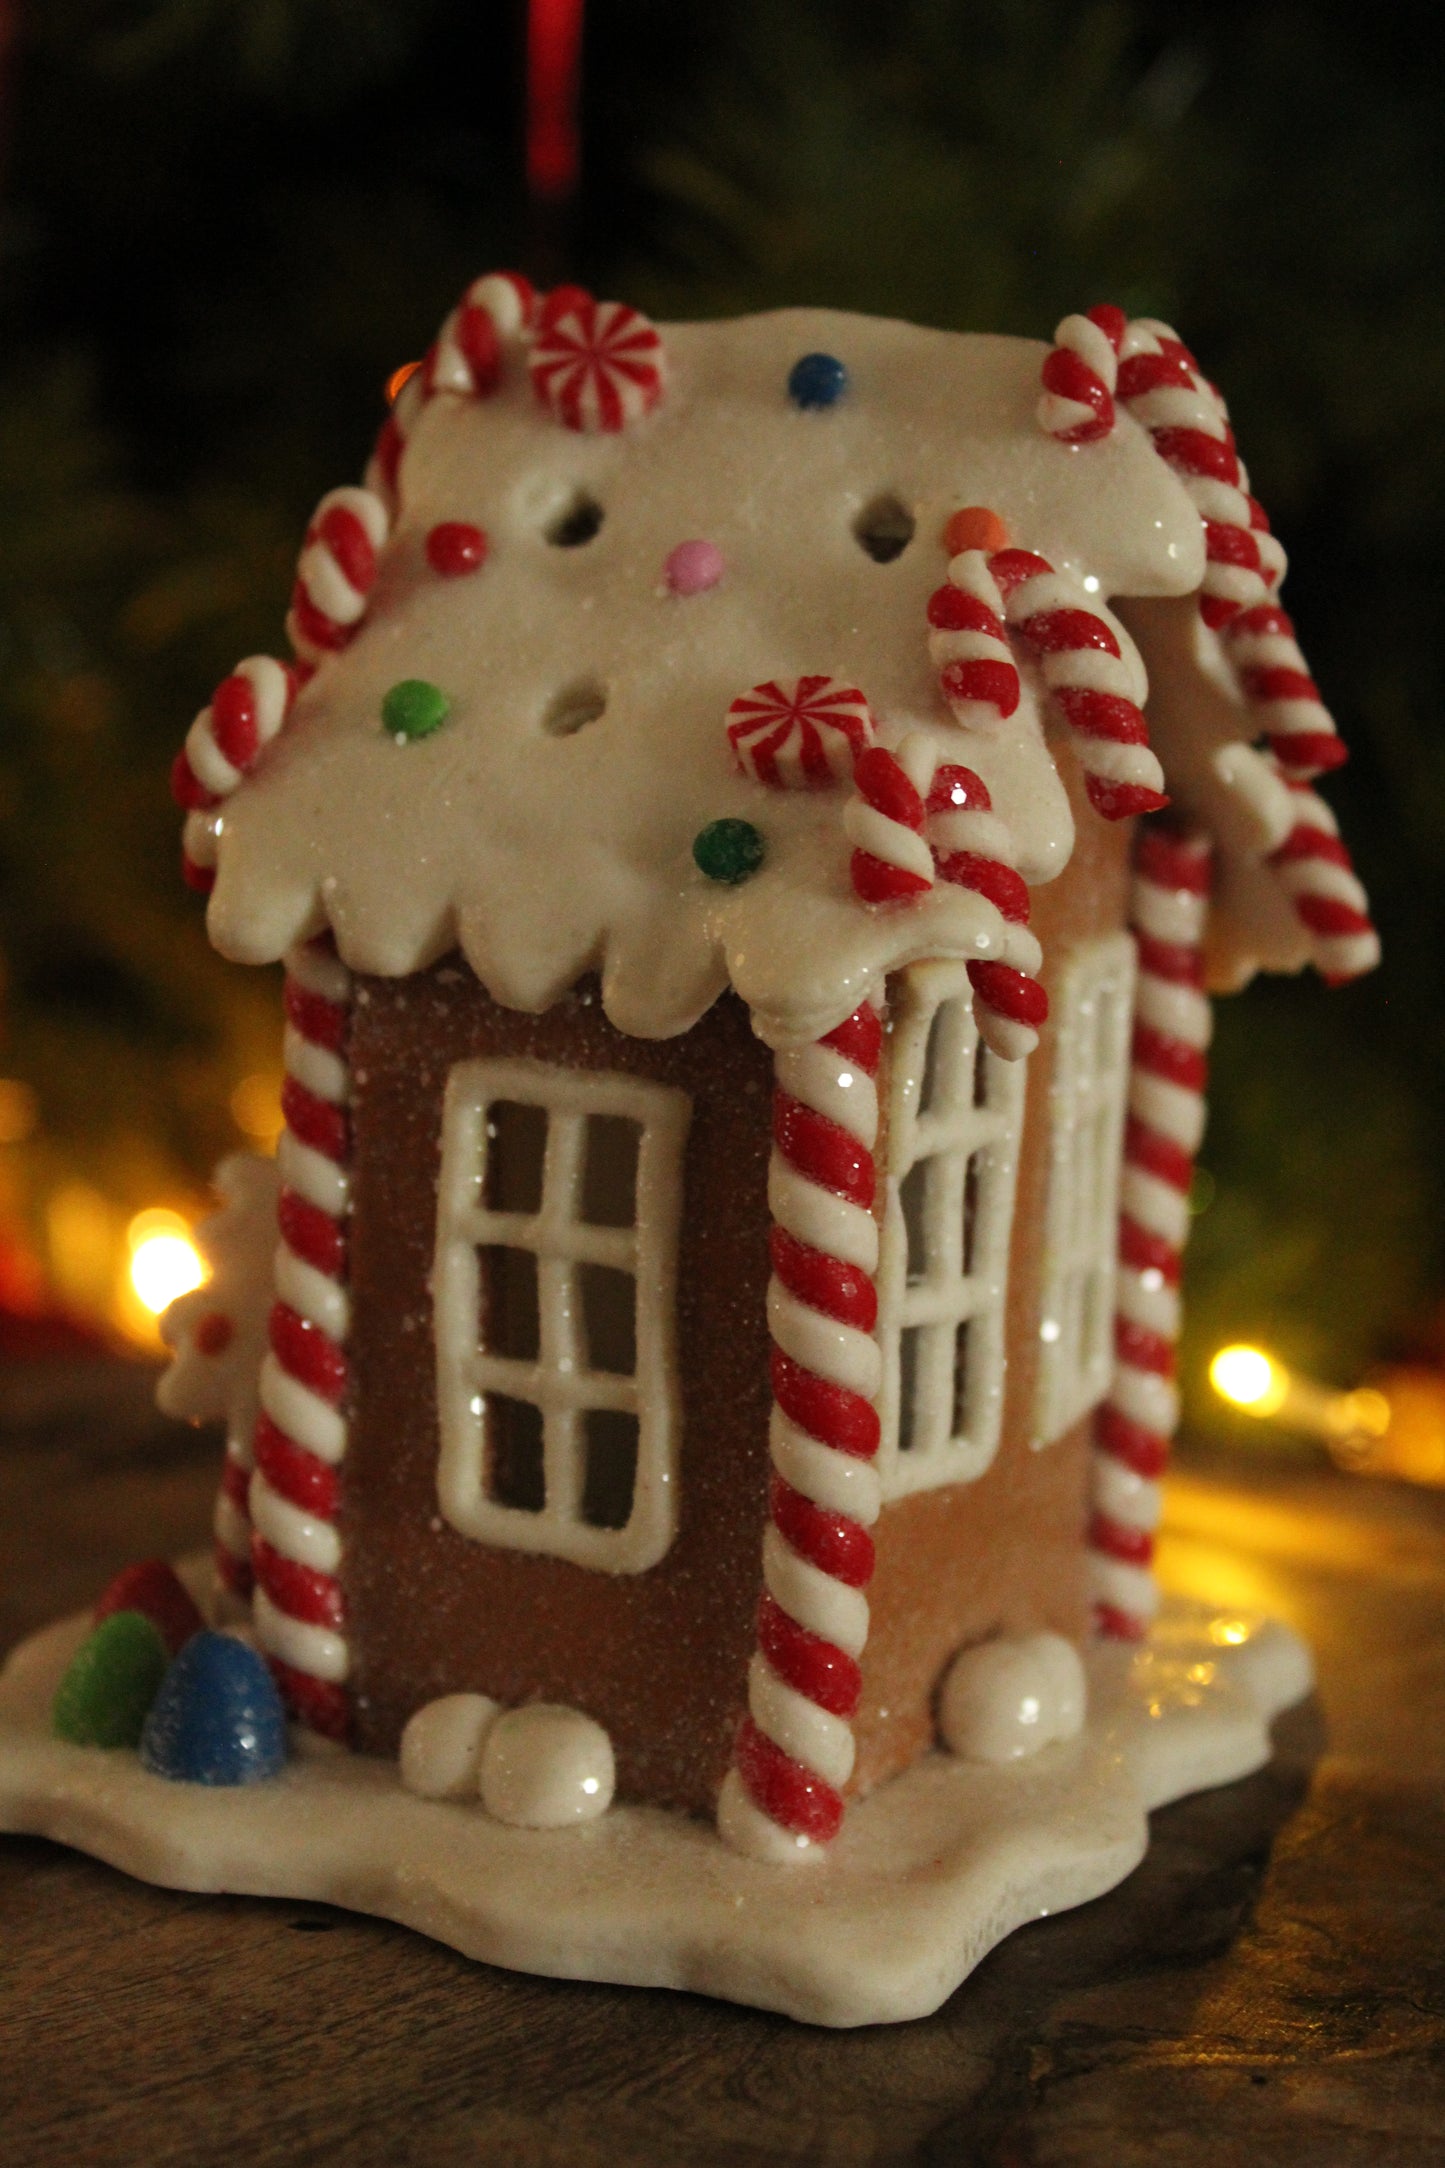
<point x="223" y="222"/>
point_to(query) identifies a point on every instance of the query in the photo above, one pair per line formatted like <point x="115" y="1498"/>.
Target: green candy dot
<point x="112" y="1679"/>
<point x="415" y="708"/>
<point x="728" y="851"/>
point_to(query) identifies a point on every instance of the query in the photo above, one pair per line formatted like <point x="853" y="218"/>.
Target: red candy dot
<point x="455" y="548"/>
<point x="215" y="1333"/>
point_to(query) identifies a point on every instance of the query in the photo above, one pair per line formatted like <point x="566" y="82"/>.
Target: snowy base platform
<point x="928" y="1875"/>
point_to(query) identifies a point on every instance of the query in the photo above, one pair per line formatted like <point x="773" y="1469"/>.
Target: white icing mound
<point x="928" y="1874"/>
<point x="546" y="855"/>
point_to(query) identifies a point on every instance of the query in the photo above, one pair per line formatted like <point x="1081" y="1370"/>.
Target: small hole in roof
<point x="884" y="529"/>
<point x="576" y="521"/>
<point x="574" y="708"/>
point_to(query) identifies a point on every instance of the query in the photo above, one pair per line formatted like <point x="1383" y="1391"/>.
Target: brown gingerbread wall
<point x="660" y="1658"/>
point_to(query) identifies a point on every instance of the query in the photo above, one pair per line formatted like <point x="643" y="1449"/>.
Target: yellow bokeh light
<point x="256" y="1106"/>
<point x="1249" y="1379"/>
<point x="164" y="1261"/>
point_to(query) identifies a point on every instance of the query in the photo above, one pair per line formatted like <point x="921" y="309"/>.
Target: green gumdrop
<point x="415" y="708"/>
<point x="728" y="851"/>
<point x="112" y="1679"/>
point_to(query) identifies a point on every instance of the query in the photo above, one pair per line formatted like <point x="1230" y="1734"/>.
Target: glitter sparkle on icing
<point x="454" y="547"/>
<point x="817" y="380"/>
<point x="728" y="851"/>
<point x="693" y="567"/>
<point x="415" y="708"/>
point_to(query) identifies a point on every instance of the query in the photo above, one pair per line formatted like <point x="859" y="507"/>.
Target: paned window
<point x="556" y="1266"/>
<point x="1093" y="1014"/>
<point x="954" y="1116"/>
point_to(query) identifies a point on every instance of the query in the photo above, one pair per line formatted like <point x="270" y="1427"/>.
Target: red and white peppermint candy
<point x="973" y="848"/>
<point x="884" y="821"/>
<point x="227" y="738"/>
<point x="969" y="646"/>
<point x="800" y="736"/>
<point x="598" y="365"/>
<point x="1079" y="375"/>
<point x="1095" y="680"/>
<point x="337" y="571"/>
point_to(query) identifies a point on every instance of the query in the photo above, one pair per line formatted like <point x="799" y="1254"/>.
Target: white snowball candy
<point x="1006" y="1699"/>
<point x="441" y="1748"/>
<point x="546" y="1767"/>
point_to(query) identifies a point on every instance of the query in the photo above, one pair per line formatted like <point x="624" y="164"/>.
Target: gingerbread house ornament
<point x="750" y="823"/>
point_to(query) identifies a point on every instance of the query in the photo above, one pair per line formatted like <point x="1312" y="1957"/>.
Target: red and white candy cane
<point x="973" y="848"/>
<point x="467" y="356"/>
<point x="1314" y="866"/>
<point x="1169" y="903"/>
<point x="1079" y="373"/>
<point x="1292" y="718"/>
<point x="883" y="820"/>
<point x="968" y="644"/>
<point x="598" y="365"/>
<point x="802" y="736"/>
<point x="1094" y="678"/>
<point x="227" y="738"/>
<point x="1164" y="388"/>
<point x="794" y="1755"/>
<point x="301" y="1433"/>
<point x="336" y="572"/>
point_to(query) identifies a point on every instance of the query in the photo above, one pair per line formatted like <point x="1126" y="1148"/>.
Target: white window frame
<point x="950" y="1132"/>
<point x="1093" y="1014"/>
<point x="559" y="1381"/>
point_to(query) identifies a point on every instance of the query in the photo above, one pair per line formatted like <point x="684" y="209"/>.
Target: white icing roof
<point x="546" y="855"/>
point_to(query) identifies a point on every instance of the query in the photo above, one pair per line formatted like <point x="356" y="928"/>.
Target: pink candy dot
<point x="693" y="567"/>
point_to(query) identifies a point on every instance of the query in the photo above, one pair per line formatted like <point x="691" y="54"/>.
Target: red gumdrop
<point x="454" y="548"/>
<point x="156" y="1590"/>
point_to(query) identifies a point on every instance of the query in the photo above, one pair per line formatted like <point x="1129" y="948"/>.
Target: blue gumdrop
<point x="818" y="380"/>
<point x="217" y="1718"/>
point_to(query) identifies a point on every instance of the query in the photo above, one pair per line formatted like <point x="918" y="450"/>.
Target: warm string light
<point x="1394" y="1428"/>
<point x="164" y="1261"/>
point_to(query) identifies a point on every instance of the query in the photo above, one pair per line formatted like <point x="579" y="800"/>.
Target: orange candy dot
<point x="974" y="528"/>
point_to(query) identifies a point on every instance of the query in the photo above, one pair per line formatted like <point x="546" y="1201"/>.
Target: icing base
<point x="929" y="1873"/>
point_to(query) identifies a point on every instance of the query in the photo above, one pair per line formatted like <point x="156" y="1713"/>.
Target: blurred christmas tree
<point x="225" y="220"/>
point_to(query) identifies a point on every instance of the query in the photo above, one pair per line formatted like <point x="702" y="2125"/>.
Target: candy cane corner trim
<point x="783" y="1798"/>
<point x="301" y="1432"/>
<point x="1133" y="1430"/>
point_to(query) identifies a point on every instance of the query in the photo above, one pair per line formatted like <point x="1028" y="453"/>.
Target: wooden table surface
<point x="1267" y="1987"/>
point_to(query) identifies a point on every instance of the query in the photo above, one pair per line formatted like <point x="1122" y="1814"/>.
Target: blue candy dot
<point x="217" y="1718"/>
<point x="818" y="380"/>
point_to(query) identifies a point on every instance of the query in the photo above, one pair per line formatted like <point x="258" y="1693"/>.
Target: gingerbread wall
<point x="660" y="1658"/>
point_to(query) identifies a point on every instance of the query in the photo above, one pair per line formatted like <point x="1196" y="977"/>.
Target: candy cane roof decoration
<point x="469" y="358"/>
<point x="336" y="572"/>
<point x="1145" y="367"/>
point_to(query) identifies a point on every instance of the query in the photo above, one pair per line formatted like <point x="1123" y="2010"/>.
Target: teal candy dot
<point x="728" y="851"/>
<point x="415" y="708"/>
<point x="110" y="1683"/>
